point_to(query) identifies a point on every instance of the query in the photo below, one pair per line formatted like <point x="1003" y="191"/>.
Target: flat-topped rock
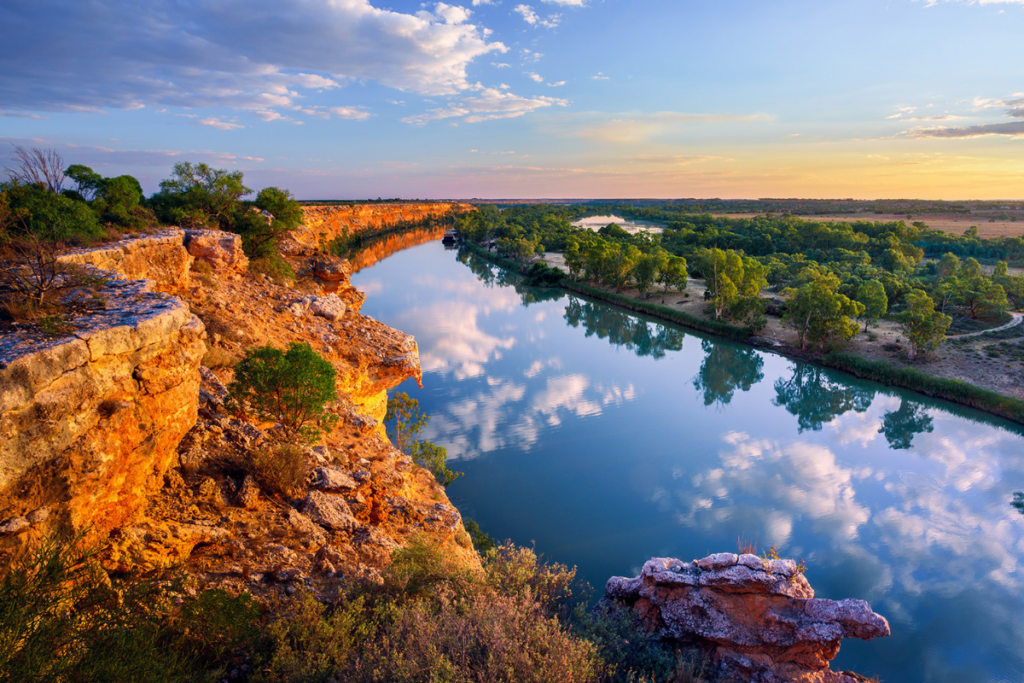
<point x="758" y="617"/>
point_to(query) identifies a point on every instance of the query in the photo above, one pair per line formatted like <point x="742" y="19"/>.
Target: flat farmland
<point x="954" y="224"/>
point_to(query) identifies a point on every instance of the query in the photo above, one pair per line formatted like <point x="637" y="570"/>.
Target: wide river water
<point x="606" y="438"/>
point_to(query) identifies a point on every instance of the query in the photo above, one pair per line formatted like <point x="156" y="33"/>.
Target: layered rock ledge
<point x="758" y="618"/>
<point x="321" y="224"/>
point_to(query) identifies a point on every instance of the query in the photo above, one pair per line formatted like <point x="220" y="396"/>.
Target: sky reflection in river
<point x="609" y="438"/>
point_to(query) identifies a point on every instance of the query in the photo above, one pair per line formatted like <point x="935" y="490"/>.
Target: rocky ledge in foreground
<point x="758" y="618"/>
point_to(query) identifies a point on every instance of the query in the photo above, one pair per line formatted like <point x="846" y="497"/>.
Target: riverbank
<point x="983" y="372"/>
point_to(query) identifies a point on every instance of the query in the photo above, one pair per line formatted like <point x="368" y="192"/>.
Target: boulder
<point x="333" y="479"/>
<point x="331" y="269"/>
<point x="331" y="306"/>
<point x="758" y="618"/>
<point x="330" y="512"/>
<point x="222" y="250"/>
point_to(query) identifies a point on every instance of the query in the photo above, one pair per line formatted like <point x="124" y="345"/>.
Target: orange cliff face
<point x="119" y="431"/>
<point x="323" y="223"/>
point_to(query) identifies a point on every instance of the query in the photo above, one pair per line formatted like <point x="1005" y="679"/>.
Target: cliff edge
<point x="118" y="431"/>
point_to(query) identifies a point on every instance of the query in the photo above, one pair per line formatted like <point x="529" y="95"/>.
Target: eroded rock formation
<point x="322" y="224"/>
<point x="759" y="618"/>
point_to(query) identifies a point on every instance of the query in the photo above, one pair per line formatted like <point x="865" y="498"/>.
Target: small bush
<point x="281" y="469"/>
<point x="63" y="619"/>
<point x="290" y="387"/>
<point x="274" y="267"/>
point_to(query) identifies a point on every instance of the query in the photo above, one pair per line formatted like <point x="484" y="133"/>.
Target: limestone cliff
<point x="322" y="223"/>
<point x="117" y="429"/>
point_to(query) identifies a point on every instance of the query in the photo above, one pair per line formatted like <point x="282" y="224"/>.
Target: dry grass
<point x="281" y="469"/>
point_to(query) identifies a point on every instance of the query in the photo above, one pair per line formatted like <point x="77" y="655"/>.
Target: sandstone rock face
<point x="222" y="250"/>
<point x="758" y="617"/>
<point x="89" y="422"/>
<point x="321" y="224"/>
<point x="160" y="258"/>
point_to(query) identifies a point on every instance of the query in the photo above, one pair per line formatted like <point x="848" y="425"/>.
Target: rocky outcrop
<point x="759" y="618"/>
<point x="321" y="224"/>
<point x="160" y="258"/>
<point x="89" y="422"/>
<point x="222" y="250"/>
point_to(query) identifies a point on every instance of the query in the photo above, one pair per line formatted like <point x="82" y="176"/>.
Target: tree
<point x="924" y="327"/>
<point x="949" y="265"/>
<point x="673" y="273"/>
<point x="646" y="270"/>
<point x="871" y="295"/>
<point x="38" y="166"/>
<point x="86" y="180"/>
<point x="720" y="270"/>
<point x="200" y="196"/>
<point x="405" y="421"/>
<point x="261" y="232"/>
<point x="574" y="259"/>
<point x="982" y="297"/>
<point x="818" y="312"/>
<point x="291" y="387"/>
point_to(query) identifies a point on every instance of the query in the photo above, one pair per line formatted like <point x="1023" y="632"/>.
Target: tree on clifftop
<point x="199" y="196"/>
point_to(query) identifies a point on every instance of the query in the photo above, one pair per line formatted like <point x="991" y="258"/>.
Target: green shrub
<point x="274" y="267"/>
<point x="290" y="387"/>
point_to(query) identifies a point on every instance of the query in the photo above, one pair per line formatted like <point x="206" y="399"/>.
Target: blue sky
<point x="545" y="98"/>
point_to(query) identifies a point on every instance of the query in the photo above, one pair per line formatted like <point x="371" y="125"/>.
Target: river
<point x="606" y="438"/>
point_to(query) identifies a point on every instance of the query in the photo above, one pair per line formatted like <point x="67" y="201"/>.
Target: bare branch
<point x="35" y="165"/>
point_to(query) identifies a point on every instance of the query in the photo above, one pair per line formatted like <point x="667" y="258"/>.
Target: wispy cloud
<point x="534" y="19"/>
<point x="353" y="113"/>
<point x="488" y="105"/>
<point x="220" y="124"/>
<point x="599" y="77"/>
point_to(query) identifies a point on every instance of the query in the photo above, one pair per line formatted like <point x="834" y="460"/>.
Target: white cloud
<point x="234" y="53"/>
<point x="452" y="14"/>
<point x="489" y="104"/>
<point x="599" y="77"/>
<point x="559" y="84"/>
<point x="534" y="19"/>
<point x="353" y="113"/>
<point x="536" y="77"/>
<point x="220" y="124"/>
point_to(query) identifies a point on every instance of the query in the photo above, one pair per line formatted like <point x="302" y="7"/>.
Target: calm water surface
<point x="629" y="225"/>
<point x="607" y="438"/>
